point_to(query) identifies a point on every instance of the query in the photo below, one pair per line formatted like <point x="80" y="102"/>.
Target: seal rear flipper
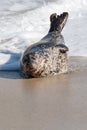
<point x="63" y="19"/>
<point x="58" y="21"/>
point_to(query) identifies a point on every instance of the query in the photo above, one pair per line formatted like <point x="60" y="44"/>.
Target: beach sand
<point x="52" y="103"/>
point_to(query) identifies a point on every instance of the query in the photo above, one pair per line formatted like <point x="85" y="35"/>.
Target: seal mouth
<point x="58" y="21"/>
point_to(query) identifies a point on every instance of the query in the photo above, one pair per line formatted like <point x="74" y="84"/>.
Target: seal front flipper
<point x="63" y="48"/>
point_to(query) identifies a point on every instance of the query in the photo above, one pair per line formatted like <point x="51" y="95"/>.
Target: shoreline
<point x="75" y="63"/>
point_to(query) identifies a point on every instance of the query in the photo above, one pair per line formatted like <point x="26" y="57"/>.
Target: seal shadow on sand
<point x="9" y="74"/>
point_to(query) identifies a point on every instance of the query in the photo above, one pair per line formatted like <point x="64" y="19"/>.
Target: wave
<point x="9" y="7"/>
<point x="23" y="22"/>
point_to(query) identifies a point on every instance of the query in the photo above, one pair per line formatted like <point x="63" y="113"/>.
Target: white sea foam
<point x="23" y="22"/>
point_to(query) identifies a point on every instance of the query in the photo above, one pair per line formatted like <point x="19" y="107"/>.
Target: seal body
<point x="45" y="58"/>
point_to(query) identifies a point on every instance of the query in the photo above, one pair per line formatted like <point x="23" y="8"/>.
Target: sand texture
<point x="52" y="103"/>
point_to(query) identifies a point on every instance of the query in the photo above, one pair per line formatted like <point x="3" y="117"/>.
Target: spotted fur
<point x="47" y="57"/>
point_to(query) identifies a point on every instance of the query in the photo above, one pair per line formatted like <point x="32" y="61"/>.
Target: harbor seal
<point x="48" y="56"/>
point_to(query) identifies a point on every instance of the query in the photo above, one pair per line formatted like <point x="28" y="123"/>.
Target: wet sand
<point x="53" y="103"/>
